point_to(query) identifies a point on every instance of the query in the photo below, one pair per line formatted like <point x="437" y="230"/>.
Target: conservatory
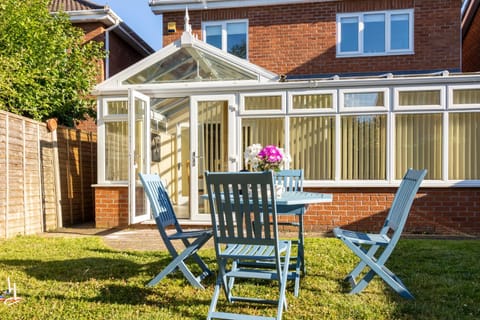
<point x="191" y="107"/>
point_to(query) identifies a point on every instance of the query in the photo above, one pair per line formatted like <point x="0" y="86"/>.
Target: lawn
<point x="81" y="278"/>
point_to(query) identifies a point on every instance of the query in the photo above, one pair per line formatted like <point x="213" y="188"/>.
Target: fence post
<point x="56" y="171"/>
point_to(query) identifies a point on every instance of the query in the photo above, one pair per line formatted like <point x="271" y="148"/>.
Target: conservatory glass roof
<point x="189" y="64"/>
<point x="187" y="60"/>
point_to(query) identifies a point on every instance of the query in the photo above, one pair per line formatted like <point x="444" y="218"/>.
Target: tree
<point x="46" y="68"/>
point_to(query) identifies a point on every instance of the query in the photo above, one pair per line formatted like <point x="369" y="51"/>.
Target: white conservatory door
<point x="212" y="145"/>
<point x="138" y="154"/>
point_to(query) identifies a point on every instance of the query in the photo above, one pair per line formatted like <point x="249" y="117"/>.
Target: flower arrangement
<point x="265" y="158"/>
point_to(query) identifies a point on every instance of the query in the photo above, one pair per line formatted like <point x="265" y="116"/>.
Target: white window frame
<point x="101" y="138"/>
<point x="354" y="110"/>
<point x="282" y="110"/>
<point x="452" y="106"/>
<point x="292" y="111"/>
<point x="388" y="51"/>
<point x="223" y="24"/>
<point x="398" y="107"/>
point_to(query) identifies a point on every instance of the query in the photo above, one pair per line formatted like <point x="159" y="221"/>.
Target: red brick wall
<point x="122" y="54"/>
<point x="471" y="47"/>
<point x="446" y="211"/>
<point x="437" y="211"/>
<point x="111" y="207"/>
<point x="301" y="39"/>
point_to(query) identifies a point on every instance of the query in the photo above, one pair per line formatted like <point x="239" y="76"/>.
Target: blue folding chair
<point x="243" y="211"/>
<point x="367" y="245"/>
<point x="165" y="219"/>
<point x="292" y="180"/>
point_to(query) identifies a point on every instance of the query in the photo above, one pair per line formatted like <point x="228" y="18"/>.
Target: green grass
<point x="81" y="278"/>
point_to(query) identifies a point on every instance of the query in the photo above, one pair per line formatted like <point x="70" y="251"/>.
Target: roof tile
<point x="73" y="5"/>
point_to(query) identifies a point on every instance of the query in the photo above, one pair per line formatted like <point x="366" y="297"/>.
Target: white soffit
<point x="161" y="6"/>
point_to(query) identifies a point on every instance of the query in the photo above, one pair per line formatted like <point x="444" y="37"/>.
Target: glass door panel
<point x="212" y="144"/>
<point x="139" y="153"/>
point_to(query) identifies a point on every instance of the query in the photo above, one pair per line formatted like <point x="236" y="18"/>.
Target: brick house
<point x="355" y="91"/>
<point x="100" y="23"/>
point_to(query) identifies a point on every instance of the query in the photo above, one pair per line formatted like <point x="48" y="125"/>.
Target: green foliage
<point x="46" y="69"/>
<point x="81" y="278"/>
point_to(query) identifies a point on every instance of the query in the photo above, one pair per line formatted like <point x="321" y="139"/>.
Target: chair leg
<point x="216" y="294"/>
<point x="361" y="265"/>
<point x="178" y="261"/>
<point x="282" y="301"/>
<point x="377" y="267"/>
<point x="301" y="243"/>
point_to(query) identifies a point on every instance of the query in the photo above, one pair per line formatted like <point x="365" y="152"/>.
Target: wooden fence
<point x="45" y="177"/>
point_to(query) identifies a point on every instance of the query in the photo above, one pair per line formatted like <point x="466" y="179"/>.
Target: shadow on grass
<point x="99" y="268"/>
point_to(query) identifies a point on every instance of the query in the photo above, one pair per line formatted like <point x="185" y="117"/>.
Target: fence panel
<point x="46" y="177"/>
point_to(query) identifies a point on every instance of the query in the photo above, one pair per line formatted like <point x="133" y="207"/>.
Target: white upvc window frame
<point x="398" y="107"/>
<point x="388" y="51"/>
<point x="452" y="106"/>
<point x="292" y="111"/>
<point x="354" y="110"/>
<point x="223" y="24"/>
<point x="281" y="111"/>
<point x="101" y="138"/>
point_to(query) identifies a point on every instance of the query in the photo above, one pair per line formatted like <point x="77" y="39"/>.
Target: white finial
<point x="188" y="27"/>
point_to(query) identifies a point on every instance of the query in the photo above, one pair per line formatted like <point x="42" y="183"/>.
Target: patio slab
<point x="143" y="237"/>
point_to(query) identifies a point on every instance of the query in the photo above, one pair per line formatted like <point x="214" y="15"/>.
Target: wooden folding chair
<point x="367" y="245"/>
<point x="243" y="211"/>
<point x="165" y="218"/>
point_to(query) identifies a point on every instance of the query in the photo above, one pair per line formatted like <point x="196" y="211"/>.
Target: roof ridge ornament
<point x="187" y="36"/>
<point x="188" y="26"/>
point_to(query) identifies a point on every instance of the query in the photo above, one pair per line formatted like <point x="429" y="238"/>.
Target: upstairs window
<point x="230" y="36"/>
<point x="375" y="33"/>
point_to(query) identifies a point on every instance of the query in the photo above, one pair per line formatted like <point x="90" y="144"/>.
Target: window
<point x="418" y="144"/>
<point x="313" y="101"/>
<point x="464" y="146"/>
<point x="364" y="147"/>
<point x="230" y="36"/>
<point x="364" y="99"/>
<point x="375" y="33"/>
<point x="415" y="98"/>
<point x="273" y="103"/>
<point x="312" y="146"/>
<point x="465" y="97"/>
<point x="116" y="139"/>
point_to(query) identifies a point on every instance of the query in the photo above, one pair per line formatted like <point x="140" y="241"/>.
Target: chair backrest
<point x="402" y="202"/>
<point x="238" y="210"/>
<point x="159" y="201"/>
<point x="292" y="179"/>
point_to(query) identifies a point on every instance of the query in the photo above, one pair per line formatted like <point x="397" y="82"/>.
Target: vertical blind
<point x="116" y="142"/>
<point x="364" y="147"/>
<point x="312" y="146"/>
<point x="264" y="131"/>
<point x="418" y="144"/>
<point x="213" y="133"/>
<point x="312" y="101"/>
<point x="464" y="146"/>
<point x="116" y="149"/>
